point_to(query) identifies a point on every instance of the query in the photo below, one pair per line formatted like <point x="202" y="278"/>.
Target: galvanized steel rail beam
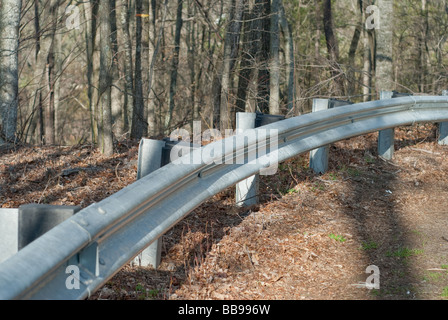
<point x="103" y="237"/>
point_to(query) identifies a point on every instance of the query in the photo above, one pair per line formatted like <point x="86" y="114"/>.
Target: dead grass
<point x="281" y="249"/>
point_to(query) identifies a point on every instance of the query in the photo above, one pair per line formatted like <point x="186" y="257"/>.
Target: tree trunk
<point x="174" y="65"/>
<point x="90" y="14"/>
<point x="152" y="122"/>
<point x="116" y="92"/>
<point x="274" y="62"/>
<point x="230" y="53"/>
<point x="42" y="97"/>
<point x="384" y="48"/>
<point x="57" y="53"/>
<point x="263" y="56"/>
<point x="248" y="53"/>
<point x="105" y="80"/>
<point x="138" y="121"/>
<point x="50" y="75"/>
<point x="289" y="57"/>
<point x="367" y="67"/>
<point x="333" y="50"/>
<point x="9" y="72"/>
<point x="127" y="65"/>
<point x="191" y="52"/>
<point x="423" y="47"/>
<point x="352" y="51"/>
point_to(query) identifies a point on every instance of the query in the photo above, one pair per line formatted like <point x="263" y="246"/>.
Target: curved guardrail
<point x="100" y="239"/>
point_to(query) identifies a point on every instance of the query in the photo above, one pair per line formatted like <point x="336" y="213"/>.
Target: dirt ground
<point x="312" y="237"/>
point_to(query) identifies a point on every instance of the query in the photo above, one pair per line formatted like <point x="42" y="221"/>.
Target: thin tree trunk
<point x="274" y="64"/>
<point x="230" y="52"/>
<point x="317" y="14"/>
<point x="289" y="57"/>
<point x="138" y="121"/>
<point x="352" y="51"/>
<point x="423" y="47"/>
<point x="174" y="65"/>
<point x="333" y="49"/>
<point x="384" y="48"/>
<point x="191" y="51"/>
<point x="50" y="76"/>
<point x="9" y="79"/>
<point x="90" y="14"/>
<point x="263" y="57"/>
<point x="367" y="67"/>
<point x="57" y="53"/>
<point x="127" y="65"/>
<point x="42" y="99"/>
<point x="116" y="92"/>
<point x="152" y="122"/>
<point x="248" y="53"/>
<point x="105" y="80"/>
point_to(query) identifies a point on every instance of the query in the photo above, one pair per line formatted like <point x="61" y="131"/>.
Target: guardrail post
<point x="386" y="136"/>
<point x="149" y="160"/>
<point x="319" y="157"/>
<point x="19" y="227"/>
<point x="246" y="191"/>
<point x="9" y="233"/>
<point x="443" y="128"/>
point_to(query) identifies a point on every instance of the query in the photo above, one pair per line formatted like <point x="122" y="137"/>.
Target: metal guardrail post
<point x="150" y="155"/>
<point x="386" y="136"/>
<point x="246" y="191"/>
<point x="19" y="227"/>
<point x="9" y="233"/>
<point x="319" y="157"/>
<point x="443" y="128"/>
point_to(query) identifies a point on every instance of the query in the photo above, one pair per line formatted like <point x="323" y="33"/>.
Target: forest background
<point x="100" y="71"/>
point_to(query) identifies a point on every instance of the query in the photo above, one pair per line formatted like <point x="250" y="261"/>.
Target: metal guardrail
<point x="103" y="237"/>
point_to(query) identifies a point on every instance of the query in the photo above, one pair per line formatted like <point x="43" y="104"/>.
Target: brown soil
<point x="312" y="236"/>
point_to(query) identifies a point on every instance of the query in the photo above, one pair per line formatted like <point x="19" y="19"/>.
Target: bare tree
<point x="353" y="49"/>
<point x="138" y="121"/>
<point x="274" y="62"/>
<point x="384" y="47"/>
<point x="264" y="10"/>
<point x="9" y="79"/>
<point x="333" y="49"/>
<point x="90" y="14"/>
<point x="231" y="46"/>
<point x="157" y="38"/>
<point x="127" y="64"/>
<point x="105" y="81"/>
<point x="289" y="57"/>
<point x="174" y="65"/>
